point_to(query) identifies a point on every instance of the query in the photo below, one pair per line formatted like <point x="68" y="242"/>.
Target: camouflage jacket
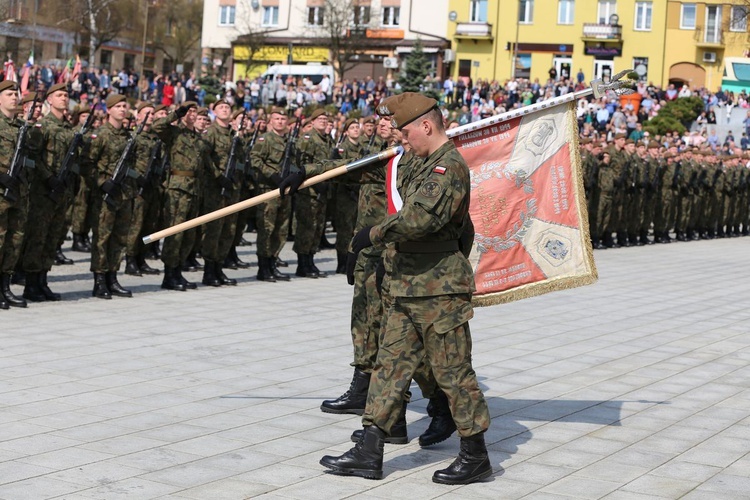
<point x="9" y="128"/>
<point x="435" y="193"/>
<point x="266" y="157"/>
<point x="313" y="147"/>
<point x="145" y="143"/>
<point x="107" y="146"/>
<point x="57" y="135"/>
<point x="377" y="143"/>
<point x="188" y="154"/>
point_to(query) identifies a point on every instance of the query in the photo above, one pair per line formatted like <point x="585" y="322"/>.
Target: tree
<point x="347" y="40"/>
<point x="417" y="67"/>
<point x="177" y="29"/>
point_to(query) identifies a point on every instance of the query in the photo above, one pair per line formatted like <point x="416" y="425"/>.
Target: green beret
<point x="221" y="101"/>
<point x="144" y="105"/>
<point x="348" y="123"/>
<point x="160" y="107"/>
<point x="236" y="113"/>
<point x="202" y="112"/>
<point x="318" y="113"/>
<point x="384" y="107"/>
<point x="57" y="87"/>
<point x="409" y="106"/>
<point x="113" y="99"/>
<point x="369" y="119"/>
<point x="8" y="84"/>
<point x="190" y="104"/>
<point x="30" y="96"/>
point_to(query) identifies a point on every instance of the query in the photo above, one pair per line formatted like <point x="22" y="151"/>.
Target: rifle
<point x="658" y="172"/>
<point x="70" y="157"/>
<point x="249" y="174"/>
<point x="19" y="158"/>
<point x="335" y="155"/>
<point x="290" y="151"/>
<point x="154" y="157"/>
<point x="676" y="176"/>
<point x="693" y="182"/>
<point x="121" y="169"/>
<point x="231" y="165"/>
<point x="370" y="144"/>
<point x="593" y="173"/>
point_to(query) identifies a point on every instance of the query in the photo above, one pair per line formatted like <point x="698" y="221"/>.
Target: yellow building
<point x="661" y="39"/>
<point x="699" y="36"/>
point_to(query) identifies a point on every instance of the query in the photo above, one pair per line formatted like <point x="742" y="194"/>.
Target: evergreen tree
<point x="417" y="67"/>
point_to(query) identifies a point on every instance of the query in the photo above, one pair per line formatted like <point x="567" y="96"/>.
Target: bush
<point x="676" y="115"/>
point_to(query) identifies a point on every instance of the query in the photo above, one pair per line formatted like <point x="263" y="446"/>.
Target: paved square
<point x="637" y="387"/>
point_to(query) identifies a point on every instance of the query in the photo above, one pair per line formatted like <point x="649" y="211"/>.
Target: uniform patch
<point x="261" y="139"/>
<point x="93" y="136"/>
<point x="431" y="189"/>
<point x="38" y="125"/>
<point x="341" y="150"/>
<point x="306" y="136"/>
<point x="439" y="170"/>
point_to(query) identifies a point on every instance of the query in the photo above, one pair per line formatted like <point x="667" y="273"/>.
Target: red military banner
<point x="528" y="206"/>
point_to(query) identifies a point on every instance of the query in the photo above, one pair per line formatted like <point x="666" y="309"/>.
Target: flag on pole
<point x="527" y="206"/>
<point x="65" y="73"/>
<point x="10" y="71"/>
<point x="76" y="68"/>
<point x="26" y="73"/>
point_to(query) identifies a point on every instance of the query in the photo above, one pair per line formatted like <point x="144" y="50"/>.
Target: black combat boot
<point x="44" y="287"/>
<point x="471" y="465"/>
<point x="80" y="244"/>
<point x="622" y="239"/>
<point x="191" y="264"/>
<point x="131" y="266"/>
<point x="3" y="302"/>
<point x="314" y="268"/>
<point x="209" y="274"/>
<point x="189" y="285"/>
<point x="153" y="252"/>
<point x="171" y="281"/>
<point x="340" y="262"/>
<point x="275" y="271"/>
<point x="281" y="263"/>
<point x="354" y="399"/>
<point x="144" y="267"/>
<point x="223" y="278"/>
<point x="442" y="425"/>
<point x="303" y="268"/>
<point x="264" y="270"/>
<point x="235" y="261"/>
<point x="115" y="288"/>
<point x="364" y="460"/>
<point x="61" y="259"/>
<point x="644" y="238"/>
<point x="19" y="277"/>
<point x="32" y="291"/>
<point x="633" y="239"/>
<point x="324" y="243"/>
<point x="101" y="290"/>
<point x="398" y="431"/>
<point x="7" y="296"/>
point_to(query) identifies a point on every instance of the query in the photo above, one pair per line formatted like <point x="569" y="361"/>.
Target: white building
<point x="391" y="28"/>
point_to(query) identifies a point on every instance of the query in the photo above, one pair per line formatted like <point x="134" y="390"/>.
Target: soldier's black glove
<point x="379" y="275"/>
<point x="181" y="111"/>
<point x="361" y="240"/>
<point x="9" y="182"/>
<point x="292" y="181"/>
<point x="351" y="262"/>
<point x="321" y="189"/>
<point x="110" y="188"/>
<point x="276" y="179"/>
<point x="54" y="184"/>
<point x="141" y="181"/>
<point x="225" y="182"/>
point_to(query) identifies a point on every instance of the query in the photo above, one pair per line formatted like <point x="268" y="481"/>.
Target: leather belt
<point x="183" y="173"/>
<point x="427" y="246"/>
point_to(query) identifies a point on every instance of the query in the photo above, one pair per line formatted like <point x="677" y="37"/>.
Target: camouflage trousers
<point x="46" y="220"/>
<point x="603" y="214"/>
<point x="81" y="216"/>
<point x="310" y="213"/>
<point x="244" y="216"/>
<point x="367" y="313"/>
<point x="684" y="207"/>
<point x="178" y="207"/>
<point x="635" y="209"/>
<point x="347" y="197"/>
<point x="218" y="235"/>
<point x="647" y="214"/>
<point x="435" y="329"/>
<point x="110" y="234"/>
<point x="13" y="216"/>
<point x="272" y="224"/>
<point x="145" y="208"/>
<point x="664" y="213"/>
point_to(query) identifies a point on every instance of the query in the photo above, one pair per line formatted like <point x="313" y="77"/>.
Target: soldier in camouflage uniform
<point x="220" y="191"/>
<point x="80" y="223"/>
<point x="188" y="157"/>
<point x="47" y="215"/>
<point x="310" y="204"/>
<point x="428" y="316"/>
<point x="13" y="212"/>
<point x="113" y="215"/>
<point x="370" y="139"/>
<point x="665" y="196"/>
<point x="604" y="206"/>
<point x="272" y="217"/>
<point x="347" y="194"/>
<point x="145" y="206"/>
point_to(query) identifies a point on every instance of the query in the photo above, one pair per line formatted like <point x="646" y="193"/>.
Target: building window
<point x="361" y="16"/>
<point x="105" y="59"/>
<point x="226" y="15"/>
<point x="315" y="16"/>
<point x="478" y="11"/>
<point x="738" y="20"/>
<point x="713" y="24"/>
<point x="643" y="16"/>
<point x="391" y="16"/>
<point x="271" y="15"/>
<point x="526" y="11"/>
<point x="565" y="12"/>
<point x="687" y="16"/>
<point x="606" y="9"/>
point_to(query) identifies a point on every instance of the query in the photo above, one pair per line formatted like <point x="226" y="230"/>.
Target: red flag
<point x="10" y="71"/>
<point x="63" y="78"/>
<point x="76" y="68"/>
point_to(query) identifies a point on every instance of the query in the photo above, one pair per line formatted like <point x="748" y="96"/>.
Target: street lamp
<point x="143" y="46"/>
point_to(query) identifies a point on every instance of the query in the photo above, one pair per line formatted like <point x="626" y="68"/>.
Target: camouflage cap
<point x="113" y="99"/>
<point x="409" y="106"/>
<point x="8" y="84"/>
<point x="56" y="88"/>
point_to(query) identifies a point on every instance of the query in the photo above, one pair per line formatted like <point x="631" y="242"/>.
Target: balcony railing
<point x="708" y="38"/>
<point x="474" y="30"/>
<point x="602" y="31"/>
